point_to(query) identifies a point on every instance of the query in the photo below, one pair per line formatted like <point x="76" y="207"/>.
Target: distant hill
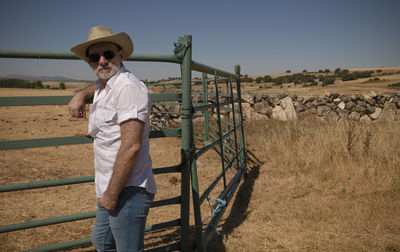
<point x="40" y="78"/>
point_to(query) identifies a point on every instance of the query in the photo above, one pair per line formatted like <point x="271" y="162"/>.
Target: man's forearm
<point x="86" y="92"/>
<point x="123" y="168"/>
<point x="131" y="143"/>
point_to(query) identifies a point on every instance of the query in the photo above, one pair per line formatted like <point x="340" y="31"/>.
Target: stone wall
<point x="331" y="107"/>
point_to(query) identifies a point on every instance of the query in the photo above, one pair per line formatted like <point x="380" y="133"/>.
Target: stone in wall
<point x="323" y="110"/>
<point x="372" y="94"/>
<point x="288" y="107"/>
<point x="342" y="105"/>
<point x="332" y="117"/>
<point x="279" y="114"/>
<point x="360" y="109"/>
<point x="250" y="114"/>
<point x="258" y="98"/>
<point x="354" y="116"/>
<point x="337" y="100"/>
<point x="309" y="112"/>
<point x="248" y="98"/>
<point x="388" y="112"/>
<point x="370" y="109"/>
<point x="350" y="105"/>
<point x="309" y="105"/>
<point x="343" y="113"/>
<point x="247" y="110"/>
<point x="331" y="107"/>
<point x="371" y="101"/>
<point x="285" y="111"/>
<point x="263" y="108"/>
<point x="299" y="106"/>
<point x="376" y="114"/>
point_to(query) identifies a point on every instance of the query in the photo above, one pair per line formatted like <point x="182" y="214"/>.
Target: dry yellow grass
<point x="359" y="86"/>
<point x="311" y="186"/>
<point x="318" y="187"/>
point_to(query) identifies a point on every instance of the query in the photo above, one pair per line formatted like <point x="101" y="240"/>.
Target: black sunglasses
<point x="95" y="57"/>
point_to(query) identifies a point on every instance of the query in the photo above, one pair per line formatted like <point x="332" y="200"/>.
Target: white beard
<point x="103" y="74"/>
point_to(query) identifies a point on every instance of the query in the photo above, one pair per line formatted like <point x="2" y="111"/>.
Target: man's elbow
<point x="133" y="150"/>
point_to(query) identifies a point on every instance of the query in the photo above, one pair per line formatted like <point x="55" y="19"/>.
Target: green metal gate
<point x="218" y="127"/>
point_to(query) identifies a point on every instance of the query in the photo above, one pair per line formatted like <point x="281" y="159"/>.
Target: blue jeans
<point x="122" y="230"/>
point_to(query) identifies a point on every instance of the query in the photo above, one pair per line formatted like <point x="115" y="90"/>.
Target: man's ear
<point x="121" y="53"/>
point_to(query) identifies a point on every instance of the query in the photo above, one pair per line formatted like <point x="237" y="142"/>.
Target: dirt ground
<point x="302" y="191"/>
<point x="18" y="166"/>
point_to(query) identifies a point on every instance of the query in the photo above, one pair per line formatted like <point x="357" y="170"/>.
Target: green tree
<point x="62" y="85"/>
<point x="259" y="79"/>
<point x="38" y="84"/>
<point x="17" y="83"/>
<point x="328" y="80"/>
<point x="288" y="71"/>
<point x="248" y="80"/>
<point x="348" y="77"/>
<point x="267" y="78"/>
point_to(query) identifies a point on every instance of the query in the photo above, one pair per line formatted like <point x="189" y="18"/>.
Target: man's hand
<point x="108" y="202"/>
<point x="77" y="106"/>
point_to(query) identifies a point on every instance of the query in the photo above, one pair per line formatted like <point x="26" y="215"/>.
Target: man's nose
<point x="102" y="60"/>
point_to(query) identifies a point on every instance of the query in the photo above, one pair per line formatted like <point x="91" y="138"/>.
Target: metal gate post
<point x="200" y="247"/>
<point x="184" y="49"/>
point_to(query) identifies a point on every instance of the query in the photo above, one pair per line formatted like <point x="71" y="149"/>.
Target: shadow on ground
<point x="239" y="212"/>
<point x="236" y="217"/>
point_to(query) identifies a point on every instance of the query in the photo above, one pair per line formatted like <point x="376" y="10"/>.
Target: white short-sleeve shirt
<point x="124" y="97"/>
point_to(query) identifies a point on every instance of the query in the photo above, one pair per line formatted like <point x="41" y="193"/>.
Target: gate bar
<point x="219" y="127"/>
<point x="29" y="54"/>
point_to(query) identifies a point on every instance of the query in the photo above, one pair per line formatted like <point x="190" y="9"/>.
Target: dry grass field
<point x="359" y="86"/>
<point x="318" y="187"/>
<point x="311" y="186"/>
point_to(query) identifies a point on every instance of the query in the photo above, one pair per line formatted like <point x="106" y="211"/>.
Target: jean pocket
<point x="147" y="201"/>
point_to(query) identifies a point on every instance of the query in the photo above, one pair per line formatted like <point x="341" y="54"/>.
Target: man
<point x="119" y="125"/>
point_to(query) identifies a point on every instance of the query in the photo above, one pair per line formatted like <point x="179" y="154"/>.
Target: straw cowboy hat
<point x="100" y="34"/>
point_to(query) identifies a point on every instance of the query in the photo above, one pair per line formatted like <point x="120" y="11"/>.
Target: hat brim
<point x="122" y="39"/>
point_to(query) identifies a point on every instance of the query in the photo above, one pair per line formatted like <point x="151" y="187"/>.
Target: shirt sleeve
<point x="132" y="103"/>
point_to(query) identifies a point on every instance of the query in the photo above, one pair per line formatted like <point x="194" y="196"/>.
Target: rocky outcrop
<point x="331" y="107"/>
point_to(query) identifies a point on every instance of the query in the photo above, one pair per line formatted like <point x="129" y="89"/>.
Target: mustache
<point x="106" y="72"/>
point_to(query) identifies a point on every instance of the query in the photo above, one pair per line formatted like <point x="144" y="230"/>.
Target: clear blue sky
<point x="264" y="37"/>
